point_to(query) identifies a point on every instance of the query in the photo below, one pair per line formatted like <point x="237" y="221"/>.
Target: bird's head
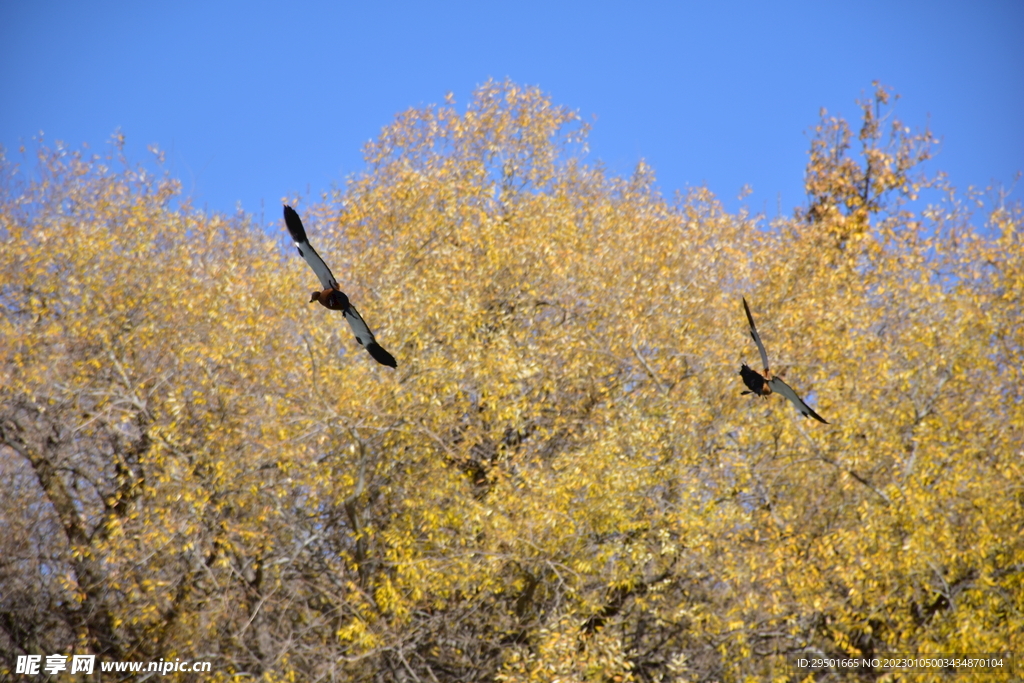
<point x="315" y="296"/>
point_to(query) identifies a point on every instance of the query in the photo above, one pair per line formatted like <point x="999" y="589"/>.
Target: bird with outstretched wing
<point x="764" y="384"/>
<point x="331" y="295"/>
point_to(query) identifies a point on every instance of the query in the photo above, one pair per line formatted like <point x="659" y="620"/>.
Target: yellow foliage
<point x="561" y="480"/>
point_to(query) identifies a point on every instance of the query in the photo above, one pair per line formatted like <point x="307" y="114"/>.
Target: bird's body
<point x="767" y="383"/>
<point x="331" y="295"/>
<point x="755" y="381"/>
<point x="332" y="299"/>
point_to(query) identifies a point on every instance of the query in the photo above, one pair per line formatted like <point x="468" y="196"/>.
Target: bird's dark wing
<point x="365" y="337"/>
<point x="755" y="336"/>
<point x="306" y="250"/>
<point x="780" y="387"/>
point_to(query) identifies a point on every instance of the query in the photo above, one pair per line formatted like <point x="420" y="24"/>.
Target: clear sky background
<point x="254" y="101"/>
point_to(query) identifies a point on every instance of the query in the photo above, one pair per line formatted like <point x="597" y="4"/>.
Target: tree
<point x="561" y="480"/>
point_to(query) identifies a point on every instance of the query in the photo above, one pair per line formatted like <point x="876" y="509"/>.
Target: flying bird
<point x="762" y="385"/>
<point x="331" y="295"/>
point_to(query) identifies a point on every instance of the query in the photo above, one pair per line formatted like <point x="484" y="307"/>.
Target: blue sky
<point x="254" y="101"/>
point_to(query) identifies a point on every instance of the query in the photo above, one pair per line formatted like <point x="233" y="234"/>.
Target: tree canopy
<point x="561" y="481"/>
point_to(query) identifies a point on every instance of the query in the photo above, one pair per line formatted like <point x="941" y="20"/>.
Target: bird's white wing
<point x="306" y="250"/>
<point x="365" y="337"/>
<point x="780" y="387"/>
<point x="359" y="327"/>
<point x="755" y="336"/>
